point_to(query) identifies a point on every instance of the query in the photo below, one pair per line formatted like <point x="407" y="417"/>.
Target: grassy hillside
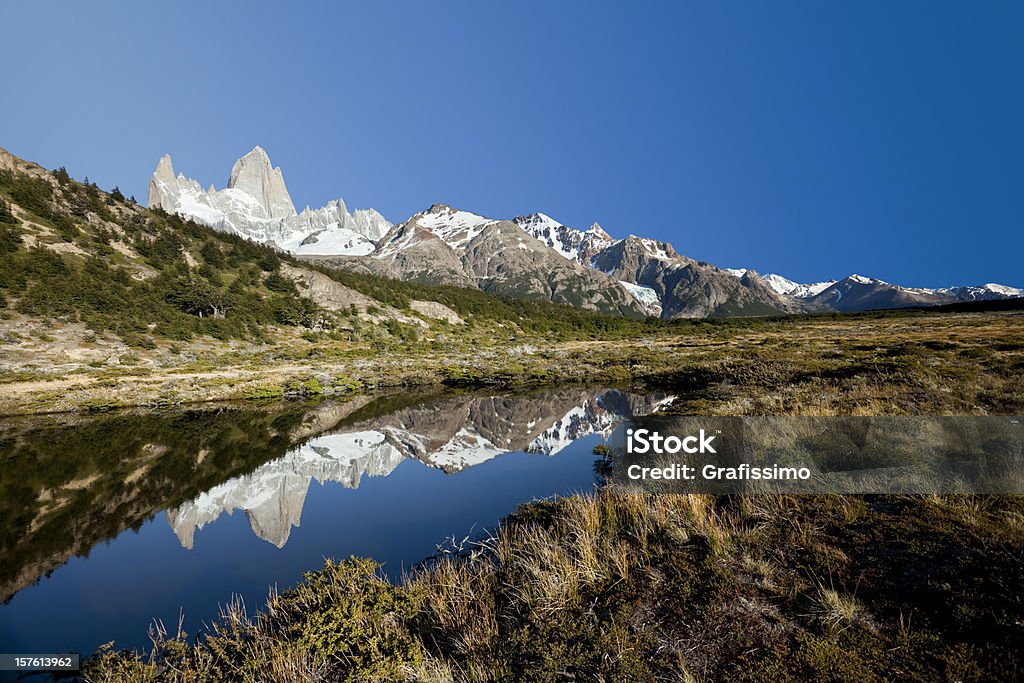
<point x="73" y="253"/>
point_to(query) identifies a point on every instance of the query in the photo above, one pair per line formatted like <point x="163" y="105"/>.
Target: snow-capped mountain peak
<point x="599" y="233"/>
<point x="785" y="286"/>
<point x="573" y="244"/>
<point x="254" y="175"/>
<point x="456" y="228"/>
<point x="256" y="205"/>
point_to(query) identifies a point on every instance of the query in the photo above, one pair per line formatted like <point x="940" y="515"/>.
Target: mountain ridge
<point x="445" y="245"/>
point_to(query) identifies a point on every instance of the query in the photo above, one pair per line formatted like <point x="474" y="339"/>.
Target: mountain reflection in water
<point x="450" y="434"/>
<point x="86" y="555"/>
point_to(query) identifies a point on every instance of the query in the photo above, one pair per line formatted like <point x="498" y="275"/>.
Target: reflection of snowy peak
<point x="450" y="434"/>
<point x="256" y="204"/>
<point x="465" y="449"/>
<point x="273" y="495"/>
<point x="600" y="415"/>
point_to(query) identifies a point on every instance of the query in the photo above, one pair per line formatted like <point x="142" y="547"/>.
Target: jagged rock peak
<point x="596" y="230"/>
<point x="254" y="175"/>
<point x="165" y="166"/>
<point x="163" y="186"/>
<point x="256" y="205"/>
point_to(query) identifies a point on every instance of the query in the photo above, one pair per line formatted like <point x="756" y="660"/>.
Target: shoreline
<point x="810" y="365"/>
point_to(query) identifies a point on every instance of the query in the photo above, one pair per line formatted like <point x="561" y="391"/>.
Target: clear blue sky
<point x="812" y="139"/>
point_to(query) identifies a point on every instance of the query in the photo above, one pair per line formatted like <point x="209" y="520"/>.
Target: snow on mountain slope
<point x="805" y="291"/>
<point x="256" y="205"/>
<point x="984" y="292"/>
<point x="573" y="244"/>
<point x="456" y="228"/>
<point x="881" y="293"/>
<point x="786" y="286"/>
<point x="645" y="296"/>
<point x="1002" y="289"/>
<point x="658" y="250"/>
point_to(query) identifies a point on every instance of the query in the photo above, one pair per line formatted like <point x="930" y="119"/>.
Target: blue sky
<point x="812" y="139"/>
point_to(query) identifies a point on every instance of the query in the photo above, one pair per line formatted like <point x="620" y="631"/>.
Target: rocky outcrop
<point x="859" y="293"/>
<point x="663" y="282"/>
<point x="334" y="296"/>
<point x="437" y="311"/>
<point x="576" y="245"/>
<point x="687" y="288"/>
<point x="456" y="247"/>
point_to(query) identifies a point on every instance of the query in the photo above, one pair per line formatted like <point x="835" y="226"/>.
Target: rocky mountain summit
<point x="666" y="283"/>
<point x="256" y="204"/>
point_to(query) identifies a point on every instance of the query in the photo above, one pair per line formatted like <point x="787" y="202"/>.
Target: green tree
<point x="198" y="297"/>
<point x="6" y="216"/>
<point x="10" y="239"/>
<point x="276" y="282"/>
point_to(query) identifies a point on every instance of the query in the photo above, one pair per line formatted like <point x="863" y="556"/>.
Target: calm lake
<point x="109" y="522"/>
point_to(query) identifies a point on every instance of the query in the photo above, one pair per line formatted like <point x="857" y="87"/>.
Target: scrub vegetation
<point x="649" y="588"/>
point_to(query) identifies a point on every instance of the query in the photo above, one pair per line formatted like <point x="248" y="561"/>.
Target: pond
<point x="109" y="522"/>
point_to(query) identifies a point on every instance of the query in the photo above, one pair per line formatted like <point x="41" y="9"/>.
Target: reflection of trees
<point x="65" y="487"/>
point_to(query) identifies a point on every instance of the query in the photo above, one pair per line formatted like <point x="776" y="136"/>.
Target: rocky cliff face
<point x="253" y="175"/>
<point x="576" y="245"/>
<point x="256" y="204"/>
<point x="665" y="282"/>
<point x="448" y="246"/>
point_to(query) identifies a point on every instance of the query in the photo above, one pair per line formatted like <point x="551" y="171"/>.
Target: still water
<point x="110" y="522"/>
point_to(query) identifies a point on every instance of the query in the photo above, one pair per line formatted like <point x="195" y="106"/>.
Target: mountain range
<point x="532" y="256"/>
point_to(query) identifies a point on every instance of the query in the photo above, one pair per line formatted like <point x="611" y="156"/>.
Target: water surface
<point x="112" y="521"/>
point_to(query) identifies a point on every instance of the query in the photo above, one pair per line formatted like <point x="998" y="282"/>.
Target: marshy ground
<point x="867" y="363"/>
